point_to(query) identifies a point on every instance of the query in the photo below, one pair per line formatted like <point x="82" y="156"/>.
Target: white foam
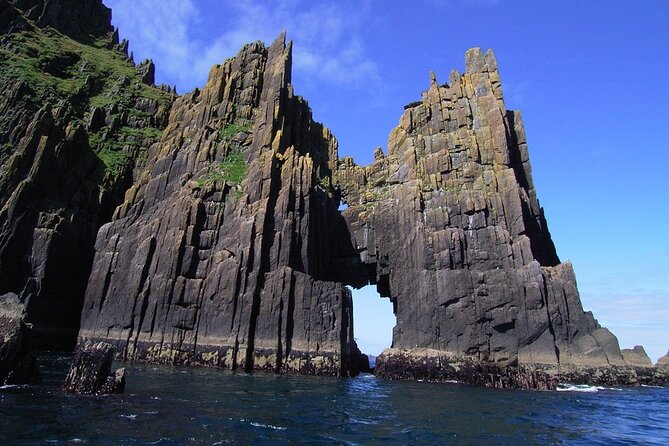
<point x="14" y="386"/>
<point x="129" y="417"/>
<point x="269" y="426"/>
<point x="584" y="388"/>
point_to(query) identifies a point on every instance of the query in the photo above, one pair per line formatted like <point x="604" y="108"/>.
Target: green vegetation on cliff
<point x="232" y="170"/>
<point x="85" y="76"/>
<point x="230" y="130"/>
<point x="57" y="66"/>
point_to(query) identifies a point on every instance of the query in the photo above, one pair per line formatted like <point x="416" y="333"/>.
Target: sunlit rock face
<point x="450" y="221"/>
<point x="249" y="272"/>
<point x="219" y="253"/>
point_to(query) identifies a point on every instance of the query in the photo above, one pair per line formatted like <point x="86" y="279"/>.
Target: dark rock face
<point x="248" y="272"/>
<point x="450" y="226"/>
<point x="220" y="242"/>
<point x="214" y="257"/>
<point x="45" y="255"/>
<point x="60" y="180"/>
<point x="90" y="373"/>
<point x="17" y="364"/>
<point x="75" y="18"/>
<point x="430" y="365"/>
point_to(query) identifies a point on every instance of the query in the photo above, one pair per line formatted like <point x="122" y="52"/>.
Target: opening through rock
<point x="373" y="321"/>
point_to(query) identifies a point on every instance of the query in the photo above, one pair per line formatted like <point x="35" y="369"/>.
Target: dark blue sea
<point x="182" y="406"/>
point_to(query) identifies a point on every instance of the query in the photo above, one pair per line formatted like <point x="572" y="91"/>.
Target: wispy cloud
<point x="327" y="43"/>
<point x="635" y="316"/>
<point x="158" y="29"/>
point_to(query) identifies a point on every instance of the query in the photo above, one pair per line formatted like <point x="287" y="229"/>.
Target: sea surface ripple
<point x="166" y="405"/>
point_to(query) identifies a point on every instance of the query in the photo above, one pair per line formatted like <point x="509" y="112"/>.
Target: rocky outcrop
<point x="213" y="259"/>
<point x="636" y="357"/>
<point x="61" y="179"/>
<point x="450" y="228"/>
<point x="90" y="373"/>
<point x="432" y="365"/>
<point x="663" y="361"/>
<point x="247" y="271"/>
<point x="220" y="241"/>
<point x="75" y="18"/>
<point x="17" y="363"/>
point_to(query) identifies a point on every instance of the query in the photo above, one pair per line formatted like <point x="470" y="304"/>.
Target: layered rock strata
<point x="224" y="245"/>
<point x="216" y="256"/>
<point x="205" y="266"/>
<point x="75" y="121"/>
<point x="450" y="228"/>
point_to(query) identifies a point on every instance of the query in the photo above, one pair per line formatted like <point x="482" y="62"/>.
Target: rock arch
<point x="201" y="271"/>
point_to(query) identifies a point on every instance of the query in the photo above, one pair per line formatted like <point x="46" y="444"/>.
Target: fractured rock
<point x="17" y="363"/>
<point x="61" y="180"/>
<point x="248" y="272"/>
<point x="76" y="18"/>
<point x="450" y="227"/>
<point x="227" y="248"/>
<point x="90" y="373"/>
<point x="222" y="269"/>
<point x="637" y="357"/>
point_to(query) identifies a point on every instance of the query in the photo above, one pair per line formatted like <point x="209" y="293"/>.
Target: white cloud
<point x="327" y="46"/>
<point x="636" y="317"/>
<point x="158" y="29"/>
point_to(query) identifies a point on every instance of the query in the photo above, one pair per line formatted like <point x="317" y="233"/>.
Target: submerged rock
<point x="91" y="374"/>
<point x="17" y="363"/>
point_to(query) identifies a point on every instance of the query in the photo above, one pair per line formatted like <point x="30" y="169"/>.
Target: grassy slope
<point x="56" y="67"/>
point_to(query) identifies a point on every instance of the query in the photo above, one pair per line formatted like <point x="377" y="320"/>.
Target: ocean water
<point x="177" y="405"/>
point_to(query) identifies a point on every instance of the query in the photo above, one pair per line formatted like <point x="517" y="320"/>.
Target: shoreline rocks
<point x="439" y="366"/>
<point x="91" y="374"/>
<point x="18" y="364"/>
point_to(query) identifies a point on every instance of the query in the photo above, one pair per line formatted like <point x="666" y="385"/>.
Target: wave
<point x="269" y="426"/>
<point x="577" y="388"/>
<point x="14" y="386"/>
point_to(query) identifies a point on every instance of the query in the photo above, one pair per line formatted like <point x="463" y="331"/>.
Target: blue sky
<point x="589" y="78"/>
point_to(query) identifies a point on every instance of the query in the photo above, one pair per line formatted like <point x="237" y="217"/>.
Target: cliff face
<point x="214" y="256"/>
<point x="75" y="121"/>
<point x="451" y="225"/>
<point x="230" y="250"/>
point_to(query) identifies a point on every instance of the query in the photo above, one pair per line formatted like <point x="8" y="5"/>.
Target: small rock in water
<point x="90" y="373"/>
<point x="17" y="363"/>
